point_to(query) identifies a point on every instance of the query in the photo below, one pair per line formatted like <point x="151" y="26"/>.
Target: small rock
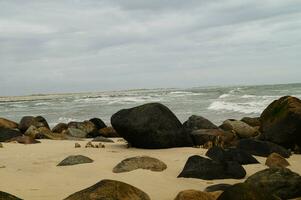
<point x="276" y="160"/>
<point x="24" y="140"/>
<point x="110" y="190"/>
<point x="101" y="145"/>
<point x="1" y="145"/>
<point x="77" y="145"/>
<point x="194" y="195"/>
<point x="89" y="145"/>
<point x="75" y="160"/>
<point x="140" y="162"/>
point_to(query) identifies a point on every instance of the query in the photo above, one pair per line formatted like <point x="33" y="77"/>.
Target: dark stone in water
<point x="204" y="168"/>
<point x="75" y="160"/>
<point x="231" y="154"/>
<point x="262" y="148"/>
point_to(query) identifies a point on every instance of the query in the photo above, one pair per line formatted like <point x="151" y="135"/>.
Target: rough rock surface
<point x="86" y="126"/>
<point x="7" y="196"/>
<point x="6" y="134"/>
<point x="281" y="122"/>
<point x="195" y="122"/>
<point x="108" y="132"/>
<point x="102" y="139"/>
<point x="276" y="160"/>
<point x="252" y="121"/>
<point x="99" y="124"/>
<point x="110" y="190"/>
<point x="5" y="123"/>
<point x="262" y="148"/>
<point x="24" y="140"/>
<point x="194" y="195"/>
<point x="140" y="162"/>
<point x="59" y="128"/>
<point x="281" y="182"/>
<point x="75" y="132"/>
<point x="217" y="187"/>
<point x="231" y="154"/>
<point x="151" y="126"/>
<point x="242" y="129"/>
<point x="28" y="121"/>
<point x="75" y="160"/>
<point x="204" y="168"/>
<point x="243" y="191"/>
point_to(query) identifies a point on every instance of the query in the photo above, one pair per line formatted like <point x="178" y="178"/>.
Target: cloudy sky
<point x="95" y="45"/>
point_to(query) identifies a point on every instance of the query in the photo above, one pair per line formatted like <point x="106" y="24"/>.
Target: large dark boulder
<point x="262" y="148"/>
<point x="6" y="134"/>
<point x="281" y="182"/>
<point x="195" y="122"/>
<point x="99" y="124"/>
<point x="231" y="154"/>
<point x="243" y="191"/>
<point x="28" y="121"/>
<point x="252" y="121"/>
<point x="110" y="190"/>
<point x="7" y="196"/>
<point x="204" y="168"/>
<point x="281" y="122"/>
<point x="150" y="126"/>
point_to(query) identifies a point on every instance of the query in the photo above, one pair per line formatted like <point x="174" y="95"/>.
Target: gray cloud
<point x="91" y="45"/>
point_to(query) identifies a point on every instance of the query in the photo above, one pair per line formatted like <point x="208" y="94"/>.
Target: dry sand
<point x="31" y="173"/>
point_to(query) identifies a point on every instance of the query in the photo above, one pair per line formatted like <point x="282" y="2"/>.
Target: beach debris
<point x="140" y="162"/>
<point x="77" y="145"/>
<point x="89" y="145"/>
<point x="207" y="169"/>
<point x="110" y="189"/>
<point x="75" y="160"/>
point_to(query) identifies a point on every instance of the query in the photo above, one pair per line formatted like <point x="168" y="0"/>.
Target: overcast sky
<point x="95" y="45"/>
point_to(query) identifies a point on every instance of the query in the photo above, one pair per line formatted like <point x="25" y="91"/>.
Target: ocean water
<point x="215" y="103"/>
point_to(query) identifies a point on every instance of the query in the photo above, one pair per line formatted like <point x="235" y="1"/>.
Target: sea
<point x="215" y="103"/>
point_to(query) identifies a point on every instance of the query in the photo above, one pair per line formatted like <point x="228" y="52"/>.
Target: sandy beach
<point x="30" y="171"/>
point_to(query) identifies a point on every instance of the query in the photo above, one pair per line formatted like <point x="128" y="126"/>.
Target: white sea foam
<point x="224" y="96"/>
<point x="184" y="93"/>
<point x="42" y="103"/>
<point x="67" y="119"/>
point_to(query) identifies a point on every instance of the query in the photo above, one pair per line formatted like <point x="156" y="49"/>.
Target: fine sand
<point x="30" y="171"/>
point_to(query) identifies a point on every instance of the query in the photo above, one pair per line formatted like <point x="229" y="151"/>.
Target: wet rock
<point x="75" y="160"/>
<point x="24" y="140"/>
<point x="5" y="123"/>
<point x="59" y="128"/>
<point x="7" y="196"/>
<point x="151" y="126"/>
<point x="204" y="168"/>
<point x="242" y="129"/>
<point x="276" y="160"/>
<point x="102" y="139"/>
<point x="86" y="126"/>
<point x="99" y="124"/>
<point x="198" y="122"/>
<point x="194" y="195"/>
<point x="140" y="162"/>
<point x="251" y="121"/>
<point x="280" y="182"/>
<point x="262" y="148"/>
<point x="28" y="121"/>
<point x="232" y="154"/>
<point x="108" y="132"/>
<point x="110" y="190"/>
<point x="243" y="191"/>
<point x="217" y="187"/>
<point x="281" y="122"/>
<point x="6" y="134"/>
